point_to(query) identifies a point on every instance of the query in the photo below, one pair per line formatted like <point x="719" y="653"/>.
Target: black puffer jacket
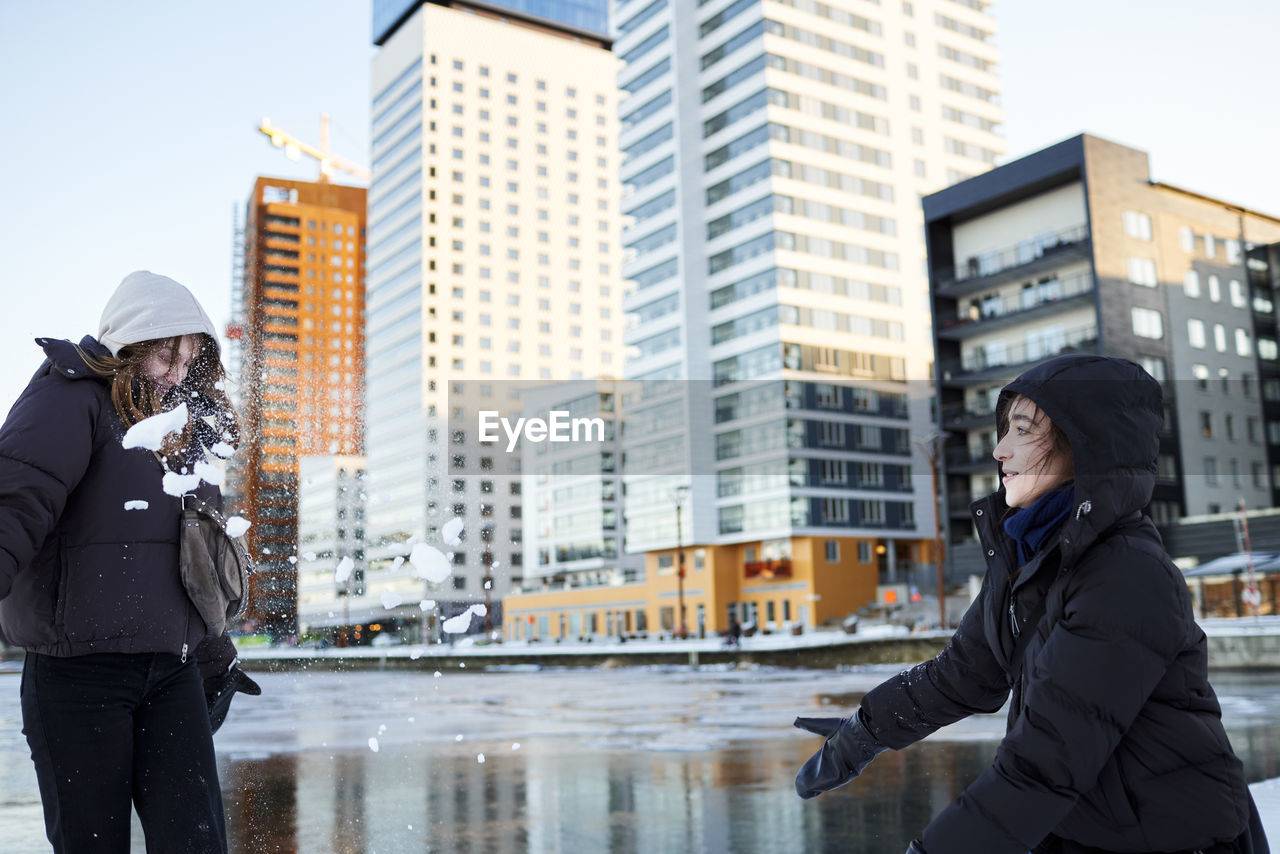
<point x="1114" y="736"/>
<point x="78" y="572"/>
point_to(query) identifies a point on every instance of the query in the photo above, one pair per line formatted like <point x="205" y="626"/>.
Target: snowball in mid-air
<point x="430" y="563"/>
<point x="179" y="485"/>
<point x="451" y="533"/>
<point x="237" y="526"/>
<point x="150" y="432"/>
<point x="343" y="572"/>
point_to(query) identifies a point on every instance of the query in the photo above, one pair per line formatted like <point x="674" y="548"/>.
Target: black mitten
<point x="850" y="748"/>
<point x="218" y="691"/>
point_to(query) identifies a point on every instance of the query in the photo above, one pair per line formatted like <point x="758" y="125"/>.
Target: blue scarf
<point x="1032" y="526"/>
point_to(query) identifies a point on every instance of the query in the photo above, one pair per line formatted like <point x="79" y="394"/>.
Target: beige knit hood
<point x="145" y="307"/>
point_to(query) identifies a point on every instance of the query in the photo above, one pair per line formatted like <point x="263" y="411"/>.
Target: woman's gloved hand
<point x="218" y="691"/>
<point x="850" y="748"/>
<point x="916" y="848"/>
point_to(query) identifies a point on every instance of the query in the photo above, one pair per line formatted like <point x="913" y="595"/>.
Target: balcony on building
<point x="970" y="459"/>
<point x="957" y="417"/>
<point x="988" y="365"/>
<point x="1035" y="301"/>
<point x="1028" y="258"/>
<point x="958" y="503"/>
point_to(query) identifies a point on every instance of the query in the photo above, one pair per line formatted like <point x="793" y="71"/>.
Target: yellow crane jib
<point x="294" y="148"/>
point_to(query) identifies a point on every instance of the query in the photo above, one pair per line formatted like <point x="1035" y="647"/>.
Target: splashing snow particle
<point x="209" y="472"/>
<point x="308" y="556"/>
<point x="515" y="745"/>
<point x="462" y="622"/>
<point x="463" y="665"/>
<point x="136" y="505"/>
<point x="223" y="450"/>
<point x="373" y="744"/>
<point x="150" y="432"/>
<point x="426" y="605"/>
<point x="480" y="758"/>
<point x="390" y="599"/>
<point x="430" y="563"/>
<point x="436" y="675"/>
<point x="459" y="624"/>
<point x="236" y="526"/>
<point x="178" y="484"/>
<point x="293" y="559"/>
<point x="397" y="563"/>
<point x="382" y="728"/>
<point x="343" y="572"/>
<point x="451" y="533"/>
<point x="458" y="737"/>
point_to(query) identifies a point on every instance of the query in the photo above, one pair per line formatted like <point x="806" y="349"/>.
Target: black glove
<point x="916" y="848"/>
<point x="218" y="691"/>
<point x="850" y="747"/>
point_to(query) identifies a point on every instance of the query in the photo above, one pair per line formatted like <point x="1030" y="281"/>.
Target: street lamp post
<point x="488" y="605"/>
<point x="679" y="496"/>
<point x="931" y="446"/>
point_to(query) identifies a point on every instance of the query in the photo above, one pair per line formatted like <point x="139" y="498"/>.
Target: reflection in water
<point x="561" y="797"/>
<point x="578" y="795"/>
<point x="630" y="760"/>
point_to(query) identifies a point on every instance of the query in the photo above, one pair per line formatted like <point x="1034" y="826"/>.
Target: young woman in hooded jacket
<point x="1114" y="740"/>
<point x="122" y="686"/>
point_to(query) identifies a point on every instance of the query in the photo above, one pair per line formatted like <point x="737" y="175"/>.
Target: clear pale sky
<point x="128" y="129"/>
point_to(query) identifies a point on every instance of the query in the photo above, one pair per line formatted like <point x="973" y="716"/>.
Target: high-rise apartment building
<point x="774" y="154"/>
<point x="1075" y="247"/>
<point x="302" y="375"/>
<point x="493" y="263"/>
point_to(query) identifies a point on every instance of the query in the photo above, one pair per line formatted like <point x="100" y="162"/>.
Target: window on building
<point x="1142" y="271"/>
<point x="1191" y="284"/>
<point x="1235" y="291"/>
<point x="1211" y="471"/>
<point x="1137" y="224"/>
<point x="833" y="551"/>
<point x="1147" y="322"/>
<point x="1155" y="366"/>
<point x="1195" y="333"/>
<point x="1220" y="337"/>
<point x="1215" y="289"/>
<point x="1206" y="424"/>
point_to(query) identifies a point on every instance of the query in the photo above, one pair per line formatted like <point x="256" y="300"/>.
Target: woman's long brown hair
<point x="135" y="396"/>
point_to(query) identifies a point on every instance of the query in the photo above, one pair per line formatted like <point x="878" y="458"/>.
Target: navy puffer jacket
<point x="1114" y="737"/>
<point x="79" y="573"/>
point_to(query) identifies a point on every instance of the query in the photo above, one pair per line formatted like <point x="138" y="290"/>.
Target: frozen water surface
<point x="626" y="760"/>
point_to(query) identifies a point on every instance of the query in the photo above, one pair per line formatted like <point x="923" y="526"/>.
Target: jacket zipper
<point x="1013" y="617"/>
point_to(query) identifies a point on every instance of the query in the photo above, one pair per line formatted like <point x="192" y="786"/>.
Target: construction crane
<point x="294" y="148"/>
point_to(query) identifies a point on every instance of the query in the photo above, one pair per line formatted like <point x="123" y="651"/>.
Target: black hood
<point x="1111" y="412"/>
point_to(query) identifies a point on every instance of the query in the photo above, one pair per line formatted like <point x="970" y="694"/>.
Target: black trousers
<point x="114" y="729"/>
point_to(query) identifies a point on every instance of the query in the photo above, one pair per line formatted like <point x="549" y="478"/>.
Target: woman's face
<point x="167" y="367"/>
<point x="1025" y="453"/>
